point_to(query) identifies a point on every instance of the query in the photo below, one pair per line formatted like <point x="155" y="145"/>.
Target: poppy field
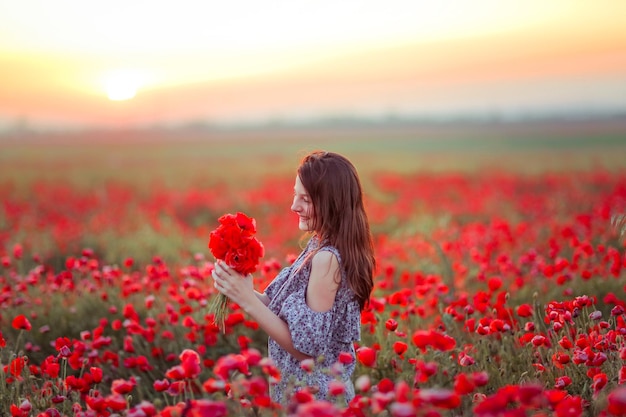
<point x="498" y="292"/>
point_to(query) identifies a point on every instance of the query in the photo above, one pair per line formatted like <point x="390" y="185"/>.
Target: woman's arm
<point x="240" y="290"/>
<point x="261" y="296"/>
<point x="274" y="326"/>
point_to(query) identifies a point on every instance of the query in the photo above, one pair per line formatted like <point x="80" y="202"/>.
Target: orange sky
<point x="287" y="60"/>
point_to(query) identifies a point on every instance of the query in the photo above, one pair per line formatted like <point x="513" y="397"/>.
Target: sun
<point x="121" y="85"/>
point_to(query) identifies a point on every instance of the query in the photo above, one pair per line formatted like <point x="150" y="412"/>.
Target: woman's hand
<point x="240" y="290"/>
<point x="232" y="284"/>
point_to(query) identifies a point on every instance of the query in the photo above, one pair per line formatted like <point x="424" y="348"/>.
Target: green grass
<point x="187" y="157"/>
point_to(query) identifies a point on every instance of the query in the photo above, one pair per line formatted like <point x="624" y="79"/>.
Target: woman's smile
<point x="302" y="206"/>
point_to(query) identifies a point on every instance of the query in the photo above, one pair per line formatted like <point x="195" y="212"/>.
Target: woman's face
<point x="302" y="206"/>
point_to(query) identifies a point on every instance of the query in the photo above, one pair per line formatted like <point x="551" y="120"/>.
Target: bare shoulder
<point x="323" y="283"/>
<point x="325" y="263"/>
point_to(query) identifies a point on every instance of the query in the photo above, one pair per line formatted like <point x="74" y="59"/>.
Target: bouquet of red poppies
<point x="233" y="242"/>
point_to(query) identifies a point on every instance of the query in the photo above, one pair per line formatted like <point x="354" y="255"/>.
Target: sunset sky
<point x="121" y="63"/>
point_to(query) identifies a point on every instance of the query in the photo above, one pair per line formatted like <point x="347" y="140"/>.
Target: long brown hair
<point x="339" y="217"/>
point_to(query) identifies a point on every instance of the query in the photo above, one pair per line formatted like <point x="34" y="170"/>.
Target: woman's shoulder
<point x="326" y="248"/>
<point x="326" y="264"/>
<point x="325" y="256"/>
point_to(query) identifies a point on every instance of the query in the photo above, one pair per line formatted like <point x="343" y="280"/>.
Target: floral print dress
<point x="321" y="335"/>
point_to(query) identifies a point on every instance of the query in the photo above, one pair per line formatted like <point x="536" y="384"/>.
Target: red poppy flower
<point x="599" y="382"/>
<point x="303" y="396"/>
<point x="529" y="326"/>
<point x="18" y="251"/>
<point x="50" y="367"/>
<point x="21" y="323"/>
<point x="345" y="358"/>
<point x="96" y="402"/>
<point x="190" y="362"/>
<point x="617" y="402"/>
<point x="96" y="374"/>
<point x="494" y="283"/>
<point x="161" y="385"/>
<point x="400" y="347"/>
<point x="424" y="370"/>
<point x="562" y="382"/>
<point x="527" y="393"/>
<point x="465" y="359"/>
<point x="122" y="386"/>
<point x="269" y="368"/>
<point x="229" y="363"/>
<point x="116" y="402"/>
<point x="525" y="310"/>
<point x="234" y="319"/>
<point x="367" y="356"/>
<point x="470" y="325"/>
<point x="565" y="343"/>
<point x="555" y="396"/>
<point x="559" y="359"/>
<point x="175" y="372"/>
<point x="569" y="407"/>
<point x="391" y="325"/>
<point x="386" y="385"/>
<point x="128" y="262"/>
<point x="16" y="366"/>
<point x="463" y="385"/>
<point x="263" y="401"/>
<point x="212" y="385"/>
<point x="257" y="386"/>
<point x="480" y="378"/>
<point x="424" y="338"/>
<point x="26" y="407"/>
<point x="176" y="388"/>
<point x="540" y="340"/>
<point x="233" y="242"/>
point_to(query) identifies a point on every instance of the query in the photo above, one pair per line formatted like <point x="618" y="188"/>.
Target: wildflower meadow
<point x="498" y="292"/>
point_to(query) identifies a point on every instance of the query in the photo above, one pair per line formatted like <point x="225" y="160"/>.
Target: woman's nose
<point x="295" y="206"/>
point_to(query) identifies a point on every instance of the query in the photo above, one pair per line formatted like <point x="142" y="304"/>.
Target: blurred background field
<point x="242" y="157"/>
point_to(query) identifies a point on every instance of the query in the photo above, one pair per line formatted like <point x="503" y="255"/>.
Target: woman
<point x="312" y="309"/>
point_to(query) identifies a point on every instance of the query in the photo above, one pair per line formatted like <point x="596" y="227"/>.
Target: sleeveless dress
<point x="321" y="335"/>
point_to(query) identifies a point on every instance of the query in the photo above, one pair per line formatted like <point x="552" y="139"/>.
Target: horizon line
<point x="336" y="120"/>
